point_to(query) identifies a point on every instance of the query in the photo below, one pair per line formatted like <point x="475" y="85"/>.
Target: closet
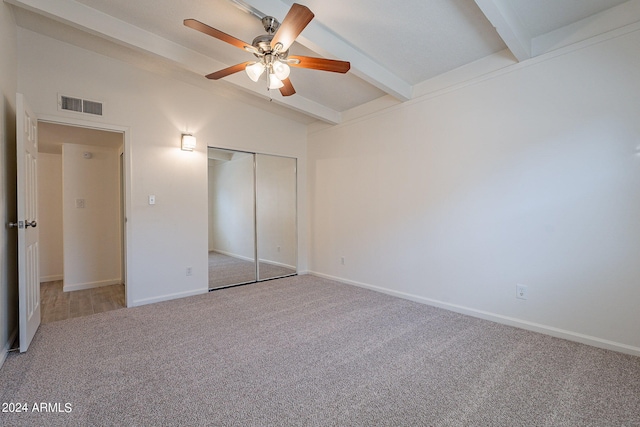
<point x="252" y="217"/>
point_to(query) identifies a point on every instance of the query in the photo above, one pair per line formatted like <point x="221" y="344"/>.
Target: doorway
<point x="82" y="231"/>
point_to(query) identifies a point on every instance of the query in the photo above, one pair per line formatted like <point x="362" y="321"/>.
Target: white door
<point x="28" y="256"/>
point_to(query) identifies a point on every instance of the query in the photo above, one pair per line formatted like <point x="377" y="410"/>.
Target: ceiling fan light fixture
<point x="274" y="82"/>
<point x="255" y="70"/>
<point x="281" y="70"/>
<point x="272" y="50"/>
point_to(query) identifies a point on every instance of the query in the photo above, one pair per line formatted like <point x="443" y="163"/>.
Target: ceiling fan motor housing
<point x="263" y="43"/>
<point x="270" y="24"/>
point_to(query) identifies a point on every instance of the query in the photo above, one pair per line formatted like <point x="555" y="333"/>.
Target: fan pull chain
<point x="268" y="90"/>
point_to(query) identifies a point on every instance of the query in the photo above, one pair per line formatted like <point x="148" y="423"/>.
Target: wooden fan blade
<point x="296" y="20"/>
<point x="287" y="89"/>
<point x="320" y="64"/>
<point x="228" y="71"/>
<point x="204" y="28"/>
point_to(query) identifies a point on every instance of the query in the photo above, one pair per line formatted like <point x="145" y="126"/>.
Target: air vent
<point x="92" y="107"/>
<point x="69" y="103"/>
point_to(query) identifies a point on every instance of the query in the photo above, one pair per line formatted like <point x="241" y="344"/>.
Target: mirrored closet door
<point x="252" y="217"/>
<point x="276" y="216"/>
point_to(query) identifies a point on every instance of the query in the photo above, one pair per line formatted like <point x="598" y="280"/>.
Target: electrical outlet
<point x="342" y="260"/>
<point x="80" y="203"/>
<point x="189" y="271"/>
<point x="278" y="248"/>
<point x="522" y="292"/>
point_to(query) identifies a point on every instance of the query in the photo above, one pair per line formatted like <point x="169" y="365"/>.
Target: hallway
<point x="60" y="305"/>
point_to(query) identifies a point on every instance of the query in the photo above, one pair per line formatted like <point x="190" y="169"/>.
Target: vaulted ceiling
<point x="397" y="49"/>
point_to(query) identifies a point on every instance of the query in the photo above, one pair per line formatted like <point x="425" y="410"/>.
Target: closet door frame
<point x="256" y="225"/>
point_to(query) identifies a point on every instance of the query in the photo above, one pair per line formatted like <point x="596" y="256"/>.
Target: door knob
<point x="13" y="225"/>
<point x="28" y="224"/>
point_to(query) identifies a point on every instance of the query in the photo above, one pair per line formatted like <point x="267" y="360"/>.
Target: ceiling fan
<point x="272" y="50"/>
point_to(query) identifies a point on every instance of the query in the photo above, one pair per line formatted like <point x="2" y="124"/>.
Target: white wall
<point x="92" y="237"/>
<point x="165" y="238"/>
<point x="529" y="177"/>
<point x="231" y="206"/>
<point x="8" y="242"/>
<point x="50" y="216"/>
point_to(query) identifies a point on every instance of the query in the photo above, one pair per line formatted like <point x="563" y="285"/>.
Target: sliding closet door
<point x="276" y="216"/>
<point x="231" y="218"/>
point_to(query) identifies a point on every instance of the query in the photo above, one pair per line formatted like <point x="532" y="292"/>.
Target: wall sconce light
<point x="188" y="142"/>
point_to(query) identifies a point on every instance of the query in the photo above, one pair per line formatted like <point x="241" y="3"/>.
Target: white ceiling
<point x="395" y="48"/>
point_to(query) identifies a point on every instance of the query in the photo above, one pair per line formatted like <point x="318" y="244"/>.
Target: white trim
<point x="51" y="278"/>
<point x="498" y="318"/>
<point x="277" y="264"/>
<point x="232" y="255"/>
<point x="244" y="258"/>
<point x="466" y="74"/>
<point x="137" y="303"/>
<point x="84" y="123"/>
<point x="90" y="285"/>
<point x="7" y="347"/>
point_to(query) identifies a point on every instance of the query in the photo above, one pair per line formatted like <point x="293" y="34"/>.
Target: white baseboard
<point x="498" y="318"/>
<point x="51" y="278"/>
<point x="7" y="347"/>
<point x="266" y="261"/>
<point x="232" y="255"/>
<point x="90" y="285"/>
<point x="277" y="264"/>
<point x="168" y="297"/>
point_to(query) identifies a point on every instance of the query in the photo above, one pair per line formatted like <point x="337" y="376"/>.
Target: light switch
<point x="152" y="199"/>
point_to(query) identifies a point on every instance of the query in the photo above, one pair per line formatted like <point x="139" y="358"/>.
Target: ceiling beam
<point x="325" y="42"/>
<point x="508" y="26"/>
<point x="106" y="26"/>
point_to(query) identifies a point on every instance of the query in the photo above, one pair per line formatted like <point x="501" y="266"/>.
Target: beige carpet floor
<point x="304" y="351"/>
